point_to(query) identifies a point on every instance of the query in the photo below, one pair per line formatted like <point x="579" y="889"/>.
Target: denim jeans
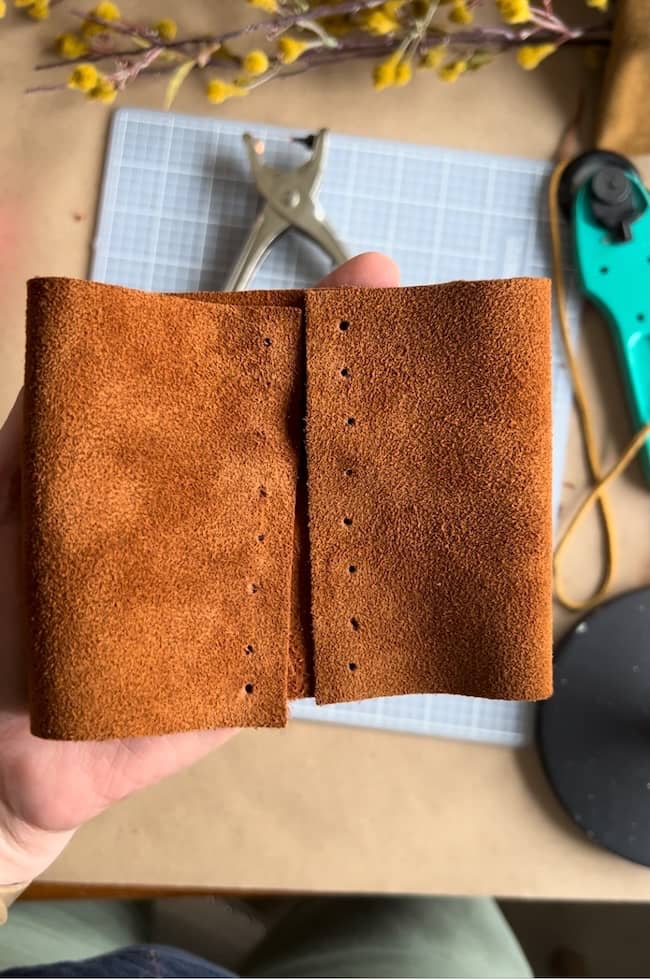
<point x="135" y="960"/>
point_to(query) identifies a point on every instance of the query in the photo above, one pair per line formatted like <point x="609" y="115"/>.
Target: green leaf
<point x="177" y="79"/>
<point x="478" y="59"/>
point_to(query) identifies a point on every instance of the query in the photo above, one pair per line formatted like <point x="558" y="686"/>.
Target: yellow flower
<point x="530" y="55"/>
<point x="452" y="71"/>
<point x="338" y="26"/>
<point x="383" y="75"/>
<point x="166" y="29"/>
<point x="598" y="4"/>
<point x="83" y="78"/>
<point x="290" y="49"/>
<point x="377" y="22"/>
<point x="107" y="10"/>
<point x="403" y="73"/>
<point x="39" y="10"/>
<point x="218" y="91"/>
<point x="433" y="56"/>
<point x="514" y="11"/>
<point x="89" y="28"/>
<point x="23" y="3"/>
<point x="71" y="46"/>
<point x="104" y="91"/>
<point x="459" y="13"/>
<point x="392" y="7"/>
<point x="270" y="6"/>
<point x="255" y="62"/>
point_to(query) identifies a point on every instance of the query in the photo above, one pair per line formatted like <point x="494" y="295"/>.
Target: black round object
<point x="611" y="186"/>
<point x="583" y="168"/>
<point x="594" y="732"/>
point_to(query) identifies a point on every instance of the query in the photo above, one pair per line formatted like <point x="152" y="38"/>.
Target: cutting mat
<point x="177" y="202"/>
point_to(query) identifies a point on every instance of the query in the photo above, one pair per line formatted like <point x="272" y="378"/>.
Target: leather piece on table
<point x="158" y="447"/>
<point x="439" y="606"/>
<point x="623" y="120"/>
<point x="429" y="459"/>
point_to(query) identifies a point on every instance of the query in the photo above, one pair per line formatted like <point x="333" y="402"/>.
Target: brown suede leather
<point x="300" y="679"/>
<point x="159" y="447"/>
<point x="429" y="490"/>
<point x="166" y="500"/>
<point x="623" y="122"/>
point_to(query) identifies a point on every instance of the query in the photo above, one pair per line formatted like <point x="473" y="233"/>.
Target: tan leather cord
<point x="600" y="479"/>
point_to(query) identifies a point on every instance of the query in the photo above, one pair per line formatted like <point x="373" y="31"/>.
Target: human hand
<point x="49" y="788"/>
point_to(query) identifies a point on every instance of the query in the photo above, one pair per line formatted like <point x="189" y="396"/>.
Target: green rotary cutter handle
<point x="603" y="196"/>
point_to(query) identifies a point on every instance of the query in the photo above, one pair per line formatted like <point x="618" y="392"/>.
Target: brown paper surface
<point x="319" y="807"/>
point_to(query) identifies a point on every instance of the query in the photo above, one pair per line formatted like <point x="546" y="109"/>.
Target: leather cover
<point x="233" y="500"/>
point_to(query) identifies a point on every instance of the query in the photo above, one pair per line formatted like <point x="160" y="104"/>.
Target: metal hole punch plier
<point x="290" y="201"/>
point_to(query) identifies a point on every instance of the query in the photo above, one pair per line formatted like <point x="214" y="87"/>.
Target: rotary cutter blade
<point x="603" y="197"/>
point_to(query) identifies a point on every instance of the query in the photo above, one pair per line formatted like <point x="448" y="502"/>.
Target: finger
<point x="10" y="437"/>
<point x="372" y="270"/>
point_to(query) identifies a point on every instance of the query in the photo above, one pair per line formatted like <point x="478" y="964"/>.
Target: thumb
<point x="370" y="270"/>
<point x="10" y="438"/>
<point x="10" y="434"/>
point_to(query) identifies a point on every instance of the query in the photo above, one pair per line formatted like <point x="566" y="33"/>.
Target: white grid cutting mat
<point x="178" y="201"/>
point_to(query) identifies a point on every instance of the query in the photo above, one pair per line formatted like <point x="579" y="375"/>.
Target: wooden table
<point x="323" y="808"/>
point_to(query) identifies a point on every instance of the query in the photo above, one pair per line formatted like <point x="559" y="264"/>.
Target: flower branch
<point x="300" y="35"/>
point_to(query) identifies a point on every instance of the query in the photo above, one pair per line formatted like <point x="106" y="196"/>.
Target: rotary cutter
<point x="602" y="195"/>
